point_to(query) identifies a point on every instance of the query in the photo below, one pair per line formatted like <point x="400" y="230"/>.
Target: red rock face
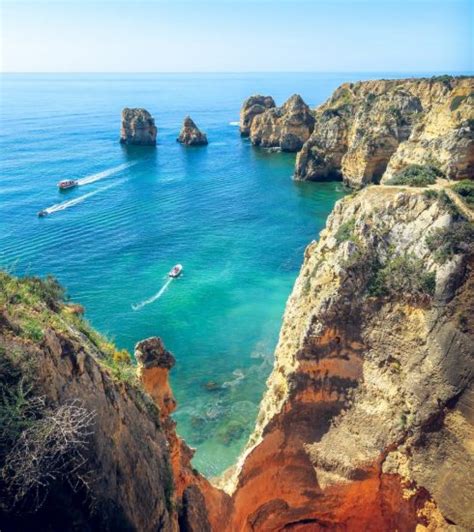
<point x="191" y="490"/>
<point x="278" y="486"/>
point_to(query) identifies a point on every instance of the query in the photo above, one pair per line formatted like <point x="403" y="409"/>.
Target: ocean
<point x="229" y="212"/>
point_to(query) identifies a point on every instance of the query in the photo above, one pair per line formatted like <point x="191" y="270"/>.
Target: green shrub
<point x="430" y="194"/>
<point x="403" y="275"/>
<point x="416" y="175"/>
<point x="465" y="189"/>
<point x="345" y="231"/>
<point x="445" y="78"/>
<point x="449" y="241"/>
<point x="456" y="102"/>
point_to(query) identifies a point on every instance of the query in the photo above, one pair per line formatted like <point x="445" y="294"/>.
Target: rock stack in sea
<point x="252" y="107"/>
<point x="191" y="135"/>
<point x="138" y="128"/>
<point x="287" y="127"/>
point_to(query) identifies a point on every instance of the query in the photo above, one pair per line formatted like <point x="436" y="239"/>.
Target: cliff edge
<point x="86" y="442"/>
<point x="368" y="416"/>
<point x="369" y="131"/>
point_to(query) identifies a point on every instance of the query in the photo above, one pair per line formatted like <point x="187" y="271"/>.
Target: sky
<point x="237" y="36"/>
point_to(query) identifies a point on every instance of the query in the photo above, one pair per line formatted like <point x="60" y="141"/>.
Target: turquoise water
<point x="230" y="213"/>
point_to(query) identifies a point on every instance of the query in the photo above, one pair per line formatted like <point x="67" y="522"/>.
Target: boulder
<point x="191" y="135"/>
<point x="138" y="128"/>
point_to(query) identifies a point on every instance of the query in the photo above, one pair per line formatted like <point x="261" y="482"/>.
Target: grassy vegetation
<point x="402" y="275"/>
<point x="416" y="175"/>
<point x="449" y="241"/>
<point x="345" y="231"/>
<point x="35" y="305"/>
<point x="465" y="189"/>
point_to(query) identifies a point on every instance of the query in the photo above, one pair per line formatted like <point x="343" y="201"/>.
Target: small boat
<point x="67" y="183"/>
<point x="43" y="213"/>
<point x="176" y="270"/>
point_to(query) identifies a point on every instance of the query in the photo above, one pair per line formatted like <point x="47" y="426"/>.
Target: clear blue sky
<point x="237" y="35"/>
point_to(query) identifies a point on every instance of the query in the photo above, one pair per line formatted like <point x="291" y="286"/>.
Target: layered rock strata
<point x="138" y="128"/>
<point x="367" y="419"/>
<point x="287" y="127"/>
<point x="191" y="135"/>
<point x="369" y="131"/>
<point x="252" y="107"/>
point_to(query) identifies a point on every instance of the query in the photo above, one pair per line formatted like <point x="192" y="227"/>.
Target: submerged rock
<point x="138" y="128"/>
<point x="287" y="127"/>
<point x="252" y="107"/>
<point x="191" y="135"/>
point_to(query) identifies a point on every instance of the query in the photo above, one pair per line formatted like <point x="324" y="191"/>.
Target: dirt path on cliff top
<point x="443" y="185"/>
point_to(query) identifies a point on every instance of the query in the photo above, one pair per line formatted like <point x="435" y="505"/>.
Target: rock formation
<point x="287" y="127"/>
<point x="368" y="411"/>
<point x="191" y="135"/>
<point x="112" y="459"/>
<point x="369" y="131"/>
<point x="252" y="107"/>
<point x="138" y="128"/>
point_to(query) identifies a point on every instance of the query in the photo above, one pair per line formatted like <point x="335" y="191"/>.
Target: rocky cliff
<point x="369" y="131"/>
<point x="367" y="419"/>
<point x="138" y="128"/>
<point x="190" y="134"/>
<point x="83" y="445"/>
<point x="367" y="422"/>
<point x="286" y="127"/>
<point x="252" y="107"/>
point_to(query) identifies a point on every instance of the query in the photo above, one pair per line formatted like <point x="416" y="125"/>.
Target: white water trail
<point x="153" y="298"/>
<point x="102" y="175"/>
<point x="70" y="203"/>
<point x="234" y="123"/>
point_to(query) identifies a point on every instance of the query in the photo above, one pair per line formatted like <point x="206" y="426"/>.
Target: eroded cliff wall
<point x="368" y="131"/>
<point x="367" y="419"/>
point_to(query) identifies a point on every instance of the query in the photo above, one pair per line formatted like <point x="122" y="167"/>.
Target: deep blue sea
<point x="230" y="213"/>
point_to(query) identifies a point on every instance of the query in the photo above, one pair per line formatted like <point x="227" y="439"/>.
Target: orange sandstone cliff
<point x="367" y="419"/>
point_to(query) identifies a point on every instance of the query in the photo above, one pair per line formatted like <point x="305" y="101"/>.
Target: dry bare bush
<point x="50" y="450"/>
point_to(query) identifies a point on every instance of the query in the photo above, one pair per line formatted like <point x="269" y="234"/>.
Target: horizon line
<point x="446" y="71"/>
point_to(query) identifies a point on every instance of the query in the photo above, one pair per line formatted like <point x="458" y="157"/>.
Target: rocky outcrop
<point x="368" y="413"/>
<point x="138" y="128"/>
<point x="287" y="127"/>
<point x="191" y="135"/>
<point x="91" y="449"/>
<point x="252" y="107"/>
<point x="369" y="131"/>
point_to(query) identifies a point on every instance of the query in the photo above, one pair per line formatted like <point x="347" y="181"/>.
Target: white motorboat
<point x="176" y="271"/>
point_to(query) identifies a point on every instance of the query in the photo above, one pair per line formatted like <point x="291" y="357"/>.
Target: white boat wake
<point x="70" y="203"/>
<point x="153" y="298"/>
<point x="102" y="175"/>
<point x="234" y="123"/>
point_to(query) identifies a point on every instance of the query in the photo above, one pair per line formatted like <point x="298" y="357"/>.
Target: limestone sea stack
<point x="287" y="127"/>
<point x="191" y="135"/>
<point x="252" y="107"/>
<point x="369" y="131"/>
<point x="138" y="128"/>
